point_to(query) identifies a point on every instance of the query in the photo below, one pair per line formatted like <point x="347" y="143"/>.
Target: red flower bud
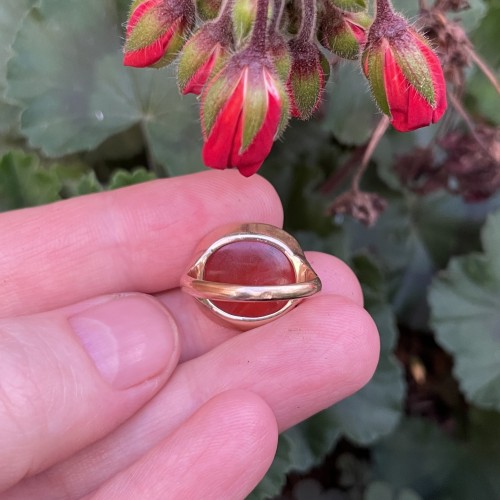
<point x="156" y="31"/>
<point x="203" y="55"/>
<point x="308" y="77"/>
<point x="405" y="75"/>
<point x="244" y="109"/>
<point x="343" y="33"/>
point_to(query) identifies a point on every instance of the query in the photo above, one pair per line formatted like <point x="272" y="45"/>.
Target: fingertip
<point x="266" y="202"/>
<point x="348" y="329"/>
<point x="336" y="276"/>
<point x="333" y="346"/>
<point x="221" y="451"/>
<point x="247" y="426"/>
<point x="252" y="413"/>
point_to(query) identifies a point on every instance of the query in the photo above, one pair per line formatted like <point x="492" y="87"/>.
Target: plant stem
<point x="488" y="73"/>
<point x="383" y="10"/>
<point x="278" y="8"/>
<point x="455" y="101"/>
<point x="224" y="13"/>
<point x="258" y="42"/>
<point x="308" y="24"/>
<point x="378" y="133"/>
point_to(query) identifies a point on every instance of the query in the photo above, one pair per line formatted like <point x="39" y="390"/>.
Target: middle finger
<point x="199" y="334"/>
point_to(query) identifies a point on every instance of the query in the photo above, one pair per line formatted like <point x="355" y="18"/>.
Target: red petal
<point x="217" y="150"/>
<point x="437" y="80"/>
<point x="408" y="108"/>
<point x="151" y="54"/>
<point x="251" y="160"/>
<point x="199" y="79"/>
<point x="358" y="32"/>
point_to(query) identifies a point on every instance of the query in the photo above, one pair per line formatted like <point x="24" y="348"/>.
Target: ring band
<point x="280" y="297"/>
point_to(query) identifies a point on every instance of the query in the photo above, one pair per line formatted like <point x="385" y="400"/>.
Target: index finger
<point x="134" y="239"/>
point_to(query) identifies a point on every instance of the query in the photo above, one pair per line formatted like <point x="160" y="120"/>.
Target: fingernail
<point x="130" y="338"/>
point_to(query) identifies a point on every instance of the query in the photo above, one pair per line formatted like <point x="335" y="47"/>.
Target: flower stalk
<point x="307" y="30"/>
<point x="258" y="39"/>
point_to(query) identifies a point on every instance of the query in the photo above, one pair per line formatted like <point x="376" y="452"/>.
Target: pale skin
<point x="114" y="383"/>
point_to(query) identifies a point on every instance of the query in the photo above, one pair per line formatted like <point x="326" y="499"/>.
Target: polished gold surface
<point x="307" y="281"/>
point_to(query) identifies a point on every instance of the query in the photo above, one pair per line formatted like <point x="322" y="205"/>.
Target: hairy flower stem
<point x="278" y="8"/>
<point x="383" y="10"/>
<point x="308" y="24"/>
<point x="377" y="135"/>
<point x="457" y="104"/>
<point x="488" y="73"/>
<point x="224" y="13"/>
<point x="258" y="42"/>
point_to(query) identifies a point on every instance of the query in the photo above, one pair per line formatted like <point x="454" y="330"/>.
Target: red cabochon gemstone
<point x="251" y="263"/>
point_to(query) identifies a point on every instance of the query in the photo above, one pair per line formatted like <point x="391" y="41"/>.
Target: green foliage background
<point x="73" y="121"/>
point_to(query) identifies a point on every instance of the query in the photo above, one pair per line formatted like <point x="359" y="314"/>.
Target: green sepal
<point x="193" y="56"/>
<point x="306" y="89"/>
<point x="243" y="17"/>
<point x="415" y="68"/>
<point x="208" y="9"/>
<point x="285" y="109"/>
<point x="344" y="44"/>
<point x="255" y="107"/>
<point x="134" y="6"/>
<point x="147" y="30"/>
<point x="373" y="60"/>
<point x="349" y="5"/>
<point x="174" y="47"/>
<point x="281" y="57"/>
<point x="341" y="39"/>
<point x="283" y="65"/>
<point x="216" y="96"/>
<point x="326" y="67"/>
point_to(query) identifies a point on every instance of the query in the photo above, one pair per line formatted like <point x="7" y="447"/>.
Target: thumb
<point x="68" y="377"/>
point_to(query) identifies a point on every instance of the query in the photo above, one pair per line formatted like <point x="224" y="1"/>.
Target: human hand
<point x="112" y="387"/>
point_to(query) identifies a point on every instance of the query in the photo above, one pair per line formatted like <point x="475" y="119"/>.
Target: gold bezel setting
<point x="307" y="281"/>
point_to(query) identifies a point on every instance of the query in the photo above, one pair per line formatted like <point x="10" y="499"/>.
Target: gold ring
<point x="249" y="274"/>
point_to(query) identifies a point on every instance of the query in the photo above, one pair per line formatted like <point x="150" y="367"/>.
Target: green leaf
<point x="11" y="14"/>
<point x="375" y="410"/>
<point x="413" y="238"/>
<point x="379" y="490"/>
<point x="422" y="457"/>
<point x="465" y="303"/>
<point x="485" y="36"/>
<point x="24" y="183"/>
<point x="76" y="179"/>
<point x="68" y="76"/>
<point x="417" y="456"/>
<point x="293" y="453"/>
<point x="122" y="178"/>
<point x="351" y="112"/>
<point x="482" y="97"/>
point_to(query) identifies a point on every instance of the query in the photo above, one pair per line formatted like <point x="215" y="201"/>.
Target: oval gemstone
<point x="249" y="263"/>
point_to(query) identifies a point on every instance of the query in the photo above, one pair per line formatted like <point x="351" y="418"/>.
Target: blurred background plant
<point x="74" y="120"/>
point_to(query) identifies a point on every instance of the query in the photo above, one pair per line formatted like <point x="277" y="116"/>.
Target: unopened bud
<point x="405" y="75"/>
<point x="344" y="33"/>
<point x="308" y="76"/>
<point x="203" y="55"/>
<point x="156" y="31"/>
